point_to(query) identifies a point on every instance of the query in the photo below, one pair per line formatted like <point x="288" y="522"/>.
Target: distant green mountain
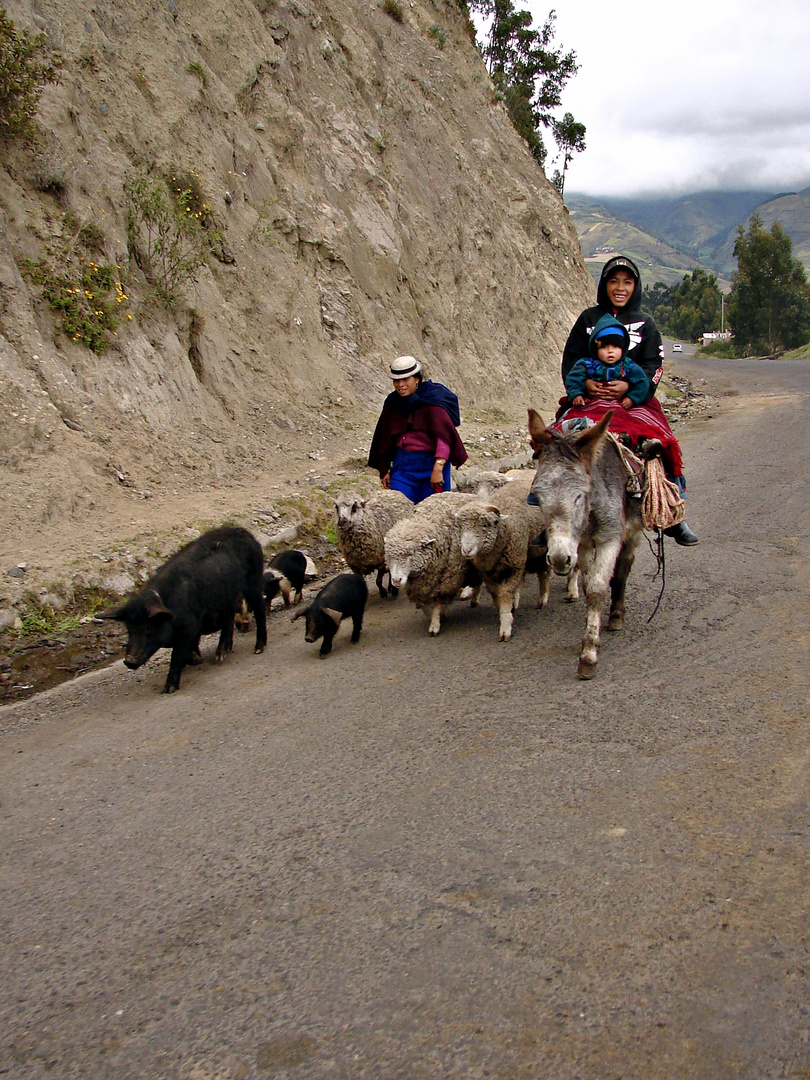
<point x="697" y="225"/>
<point x="670" y="236"/>
<point x="602" y="234"/>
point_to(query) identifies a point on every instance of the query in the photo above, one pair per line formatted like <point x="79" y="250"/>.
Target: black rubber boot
<point x="682" y="534"/>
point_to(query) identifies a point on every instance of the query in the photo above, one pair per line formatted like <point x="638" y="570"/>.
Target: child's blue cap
<point x="611" y="335"/>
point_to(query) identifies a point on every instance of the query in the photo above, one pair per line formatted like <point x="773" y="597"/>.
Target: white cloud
<point x="688" y="96"/>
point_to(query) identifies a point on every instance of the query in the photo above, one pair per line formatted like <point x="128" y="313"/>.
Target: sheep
<point x="423" y="552"/>
<point x="495" y="533"/>
<point x="361" y="527"/>
<point x="472" y="480"/>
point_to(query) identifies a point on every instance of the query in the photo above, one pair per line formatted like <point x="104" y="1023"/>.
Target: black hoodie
<point x="646" y="347"/>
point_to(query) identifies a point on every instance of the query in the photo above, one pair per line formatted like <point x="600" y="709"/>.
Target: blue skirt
<point x="411" y="471"/>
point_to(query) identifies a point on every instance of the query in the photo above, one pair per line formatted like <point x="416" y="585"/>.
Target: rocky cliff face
<point x="373" y="199"/>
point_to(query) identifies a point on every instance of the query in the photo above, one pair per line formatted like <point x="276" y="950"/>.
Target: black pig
<point x="197" y="591"/>
<point x="289" y="570"/>
<point x="344" y="595"/>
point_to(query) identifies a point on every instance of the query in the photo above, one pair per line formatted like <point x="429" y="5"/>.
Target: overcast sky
<point x="687" y="96"/>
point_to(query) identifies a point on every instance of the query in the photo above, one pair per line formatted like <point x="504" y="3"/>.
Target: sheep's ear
<point x="335" y="616"/>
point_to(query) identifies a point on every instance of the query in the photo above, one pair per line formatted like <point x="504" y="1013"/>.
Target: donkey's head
<point x="562" y="486"/>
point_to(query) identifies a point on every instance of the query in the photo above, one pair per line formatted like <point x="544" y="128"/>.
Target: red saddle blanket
<point x="641" y="422"/>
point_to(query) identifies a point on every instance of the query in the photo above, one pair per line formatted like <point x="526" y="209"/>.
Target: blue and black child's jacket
<point x="591" y="367"/>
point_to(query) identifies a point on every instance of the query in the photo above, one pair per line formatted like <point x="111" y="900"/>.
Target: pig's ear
<point x="335" y="616"/>
<point x="301" y="614"/>
<point x="114" y="613"/>
<point x="154" y="606"/>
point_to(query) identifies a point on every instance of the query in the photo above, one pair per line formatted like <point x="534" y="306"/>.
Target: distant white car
<point x="677" y="348"/>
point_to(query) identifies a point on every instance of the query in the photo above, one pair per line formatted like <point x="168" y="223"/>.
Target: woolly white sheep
<point x="473" y="480"/>
<point x="361" y="527"/>
<point x="423" y="553"/>
<point x="495" y="533"/>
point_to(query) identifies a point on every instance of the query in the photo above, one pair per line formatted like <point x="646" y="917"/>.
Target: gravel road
<point x="450" y="858"/>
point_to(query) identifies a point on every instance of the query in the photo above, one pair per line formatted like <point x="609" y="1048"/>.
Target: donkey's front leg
<point x="596" y="574"/>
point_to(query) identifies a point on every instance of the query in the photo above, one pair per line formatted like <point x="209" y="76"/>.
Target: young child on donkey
<point x="608" y="361"/>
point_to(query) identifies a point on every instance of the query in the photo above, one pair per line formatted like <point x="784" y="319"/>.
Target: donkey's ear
<point x="590" y="439"/>
<point x="538" y="432"/>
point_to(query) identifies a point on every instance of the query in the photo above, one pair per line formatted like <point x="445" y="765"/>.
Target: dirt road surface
<point x="444" y="858"/>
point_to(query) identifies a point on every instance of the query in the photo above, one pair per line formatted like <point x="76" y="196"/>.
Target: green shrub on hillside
<point x="85" y="294"/>
<point x="22" y="78"/>
<point x="394" y="9"/>
<point x="170" y="229"/>
<point x="88" y="295"/>
<point x="438" y="35"/>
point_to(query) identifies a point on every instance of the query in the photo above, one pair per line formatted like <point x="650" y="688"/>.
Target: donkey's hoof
<point x="616" y="620"/>
<point x="586" y="669"/>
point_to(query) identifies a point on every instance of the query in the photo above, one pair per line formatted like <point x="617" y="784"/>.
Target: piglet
<point x="344" y="596"/>
<point x="289" y="571"/>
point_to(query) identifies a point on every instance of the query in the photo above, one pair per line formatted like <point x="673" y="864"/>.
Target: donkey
<point x="581" y="489"/>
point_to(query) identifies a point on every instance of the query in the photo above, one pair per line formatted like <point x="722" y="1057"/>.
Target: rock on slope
<point x="374" y="199"/>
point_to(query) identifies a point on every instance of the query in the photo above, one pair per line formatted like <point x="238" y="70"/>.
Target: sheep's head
<point x="478" y="527"/>
<point x="348" y="510"/>
<point x="407" y="560"/>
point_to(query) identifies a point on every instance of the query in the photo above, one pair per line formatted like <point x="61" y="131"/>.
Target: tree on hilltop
<point x="569" y="135"/>
<point x="531" y="72"/>
<point x="769" y="305"/>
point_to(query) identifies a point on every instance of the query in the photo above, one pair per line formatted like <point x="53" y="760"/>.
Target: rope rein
<point x="658" y="552"/>
<point x="662" y="505"/>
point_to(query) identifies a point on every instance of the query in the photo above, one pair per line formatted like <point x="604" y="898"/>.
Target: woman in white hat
<point x="415" y="440"/>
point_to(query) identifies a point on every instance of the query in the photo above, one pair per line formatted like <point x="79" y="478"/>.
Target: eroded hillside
<point x="372" y="199"/>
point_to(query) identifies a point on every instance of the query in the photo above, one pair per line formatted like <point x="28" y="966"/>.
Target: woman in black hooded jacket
<point x="619" y="294"/>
